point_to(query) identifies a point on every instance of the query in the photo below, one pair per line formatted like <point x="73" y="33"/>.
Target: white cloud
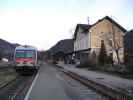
<point x="43" y="27"/>
<point x="41" y="30"/>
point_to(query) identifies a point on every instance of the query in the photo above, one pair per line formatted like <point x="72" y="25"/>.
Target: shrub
<point x="89" y="65"/>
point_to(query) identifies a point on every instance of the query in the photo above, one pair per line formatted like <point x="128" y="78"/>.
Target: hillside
<point x="65" y="46"/>
<point x="7" y="48"/>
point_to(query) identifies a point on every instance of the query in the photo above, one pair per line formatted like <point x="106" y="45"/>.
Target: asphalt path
<point x="47" y="86"/>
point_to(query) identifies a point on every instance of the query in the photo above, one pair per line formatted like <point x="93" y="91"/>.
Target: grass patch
<point x="7" y="76"/>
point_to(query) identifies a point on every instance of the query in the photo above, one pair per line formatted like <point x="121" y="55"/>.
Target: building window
<point x="101" y="33"/>
<point x="102" y="41"/>
<point x="110" y="33"/>
<point x="110" y="43"/>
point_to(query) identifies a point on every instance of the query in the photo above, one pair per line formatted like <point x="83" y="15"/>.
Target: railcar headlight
<point x="33" y="62"/>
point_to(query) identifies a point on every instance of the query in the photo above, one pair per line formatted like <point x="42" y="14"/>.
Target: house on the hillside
<point x="88" y="38"/>
<point x="128" y="50"/>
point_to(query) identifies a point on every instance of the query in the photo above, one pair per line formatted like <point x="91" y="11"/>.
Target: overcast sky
<point x="42" y="23"/>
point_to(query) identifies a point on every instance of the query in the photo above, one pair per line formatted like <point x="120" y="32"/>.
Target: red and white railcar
<point x="25" y="59"/>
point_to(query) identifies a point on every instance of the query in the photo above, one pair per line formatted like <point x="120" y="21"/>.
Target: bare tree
<point x="116" y="44"/>
<point x="114" y="41"/>
<point x="71" y="31"/>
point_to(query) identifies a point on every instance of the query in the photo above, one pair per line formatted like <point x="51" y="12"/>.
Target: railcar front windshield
<point x="25" y="54"/>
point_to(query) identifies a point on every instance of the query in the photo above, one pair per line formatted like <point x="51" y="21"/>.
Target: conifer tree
<point x="102" y="54"/>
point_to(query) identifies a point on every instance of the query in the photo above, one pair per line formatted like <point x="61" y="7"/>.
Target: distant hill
<point x="65" y="46"/>
<point x="7" y="48"/>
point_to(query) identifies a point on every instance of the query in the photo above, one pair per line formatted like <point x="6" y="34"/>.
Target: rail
<point x="115" y="94"/>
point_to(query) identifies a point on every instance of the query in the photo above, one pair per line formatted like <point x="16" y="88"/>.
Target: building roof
<point x="112" y="21"/>
<point x="86" y="27"/>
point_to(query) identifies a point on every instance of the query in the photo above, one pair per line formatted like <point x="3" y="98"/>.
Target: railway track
<point x="110" y="93"/>
<point x="82" y="91"/>
<point x="7" y="75"/>
<point x="17" y="89"/>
